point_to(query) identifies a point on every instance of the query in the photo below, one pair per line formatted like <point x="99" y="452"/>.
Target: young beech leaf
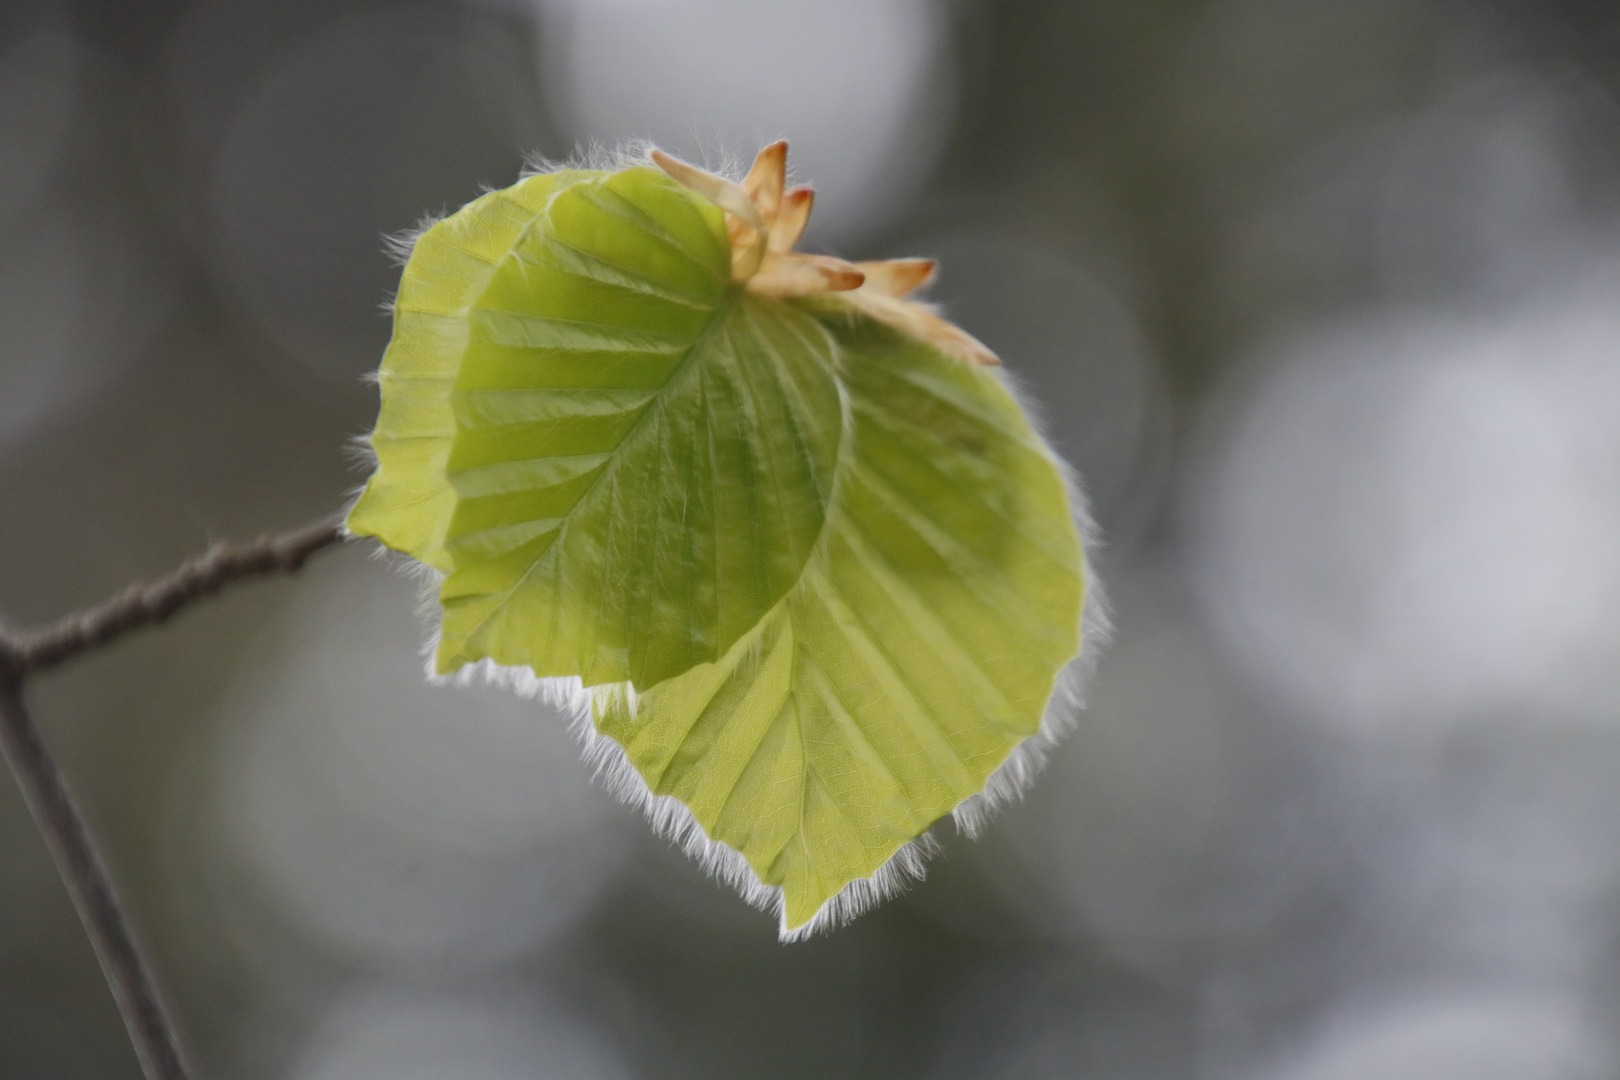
<point x="779" y="533"/>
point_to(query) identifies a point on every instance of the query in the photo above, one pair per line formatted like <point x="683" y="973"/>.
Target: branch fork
<point x="151" y="1026"/>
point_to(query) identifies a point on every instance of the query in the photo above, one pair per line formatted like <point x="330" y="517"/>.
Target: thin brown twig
<point x="151" y="1027"/>
<point x="146" y="603"/>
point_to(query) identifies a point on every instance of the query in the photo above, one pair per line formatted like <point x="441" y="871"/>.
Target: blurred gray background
<point x="1323" y="298"/>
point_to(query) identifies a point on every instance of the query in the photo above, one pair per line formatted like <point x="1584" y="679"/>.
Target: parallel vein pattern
<point x="407" y="503"/>
<point x="642" y="454"/>
<point x="918" y="649"/>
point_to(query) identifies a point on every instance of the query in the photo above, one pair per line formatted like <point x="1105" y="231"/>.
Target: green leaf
<point x="821" y="577"/>
<point x="919" y="649"/>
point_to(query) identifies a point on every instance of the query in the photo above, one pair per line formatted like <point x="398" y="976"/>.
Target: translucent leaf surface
<point x="407" y="503"/>
<point x="818" y="571"/>
<point x="918" y="650"/>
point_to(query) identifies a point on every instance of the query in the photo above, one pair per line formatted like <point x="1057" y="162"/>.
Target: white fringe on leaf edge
<point x="670" y="818"/>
